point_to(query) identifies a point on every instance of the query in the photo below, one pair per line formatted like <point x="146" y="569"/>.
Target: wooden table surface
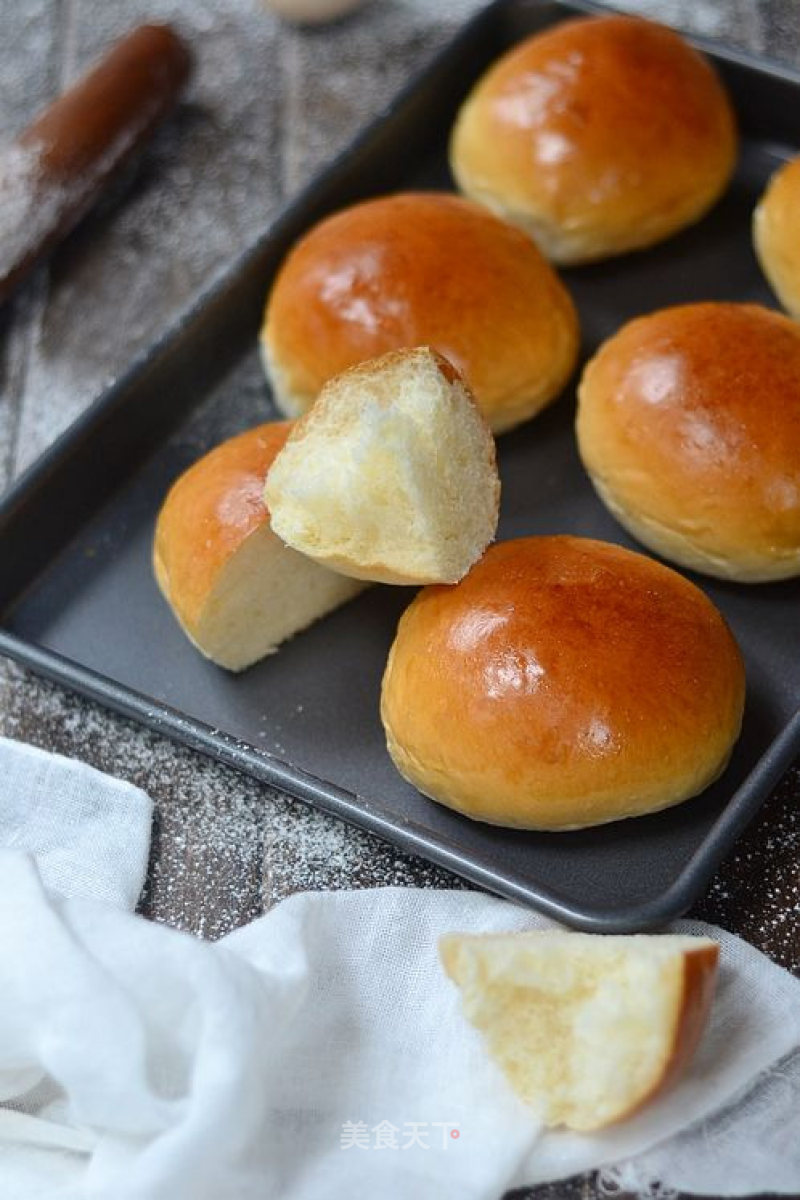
<point x="267" y="106"/>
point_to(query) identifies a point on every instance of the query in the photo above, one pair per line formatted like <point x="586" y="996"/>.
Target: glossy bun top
<point x="776" y="234"/>
<point x="557" y="686"/>
<point x="597" y="136"/>
<point x="421" y="269"/>
<point x="689" y="425"/>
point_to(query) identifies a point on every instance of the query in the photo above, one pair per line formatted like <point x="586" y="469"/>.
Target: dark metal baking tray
<point x="80" y="605"/>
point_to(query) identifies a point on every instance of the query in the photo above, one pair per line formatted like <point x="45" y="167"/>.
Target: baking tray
<point x="80" y="606"/>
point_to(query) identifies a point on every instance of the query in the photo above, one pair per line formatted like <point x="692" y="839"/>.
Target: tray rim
<point x="270" y="769"/>
<point x="213" y="743"/>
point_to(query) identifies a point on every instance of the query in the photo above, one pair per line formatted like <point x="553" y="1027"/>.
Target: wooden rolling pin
<point x="57" y="168"/>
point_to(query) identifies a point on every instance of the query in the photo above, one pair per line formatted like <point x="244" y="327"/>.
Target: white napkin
<point x="320" y="1051"/>
<point x="89" y="833"/>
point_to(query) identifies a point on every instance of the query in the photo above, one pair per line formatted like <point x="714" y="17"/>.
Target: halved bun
<point x="689" y="427"/>
<point x="562" y="683"/>
<point x="776" y="235"/>
<point x="421" y="269"/>
<point x="599" y="136"/>
<point x="391" y="476"/>
<point x="586" y="1028"/>
<point x="234" y="587"/>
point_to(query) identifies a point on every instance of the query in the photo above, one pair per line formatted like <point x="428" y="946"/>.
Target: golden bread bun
<point x="391" y="476"/>
<point x="598" y="136"/>
<point x="689" y="426"/>
<point x="421" y="269"/>
<point x="234" y="587"/>
<point x="563" y="683"/>
<point x="776" y="235"/>
<point x="586" y="1028"/>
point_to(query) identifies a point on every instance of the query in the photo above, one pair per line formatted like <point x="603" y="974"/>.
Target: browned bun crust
<point x="211" y="509"/>
<point x="599" y="136"/>
<point x="689" y="426"/>
<point x="699" y="984"/>
<point x="421" y="269"/>
<point x="563" y="683"/>
<point x="236" y="590"/>
<point x="776" y="235"/>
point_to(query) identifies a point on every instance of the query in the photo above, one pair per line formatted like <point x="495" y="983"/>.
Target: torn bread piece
<point x="391" y="476"/>
<point x="235" y="588"/>
<point x="587" y="1028"/>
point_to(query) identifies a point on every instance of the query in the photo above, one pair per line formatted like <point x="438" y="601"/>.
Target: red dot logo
<point x="454" y="1133"/>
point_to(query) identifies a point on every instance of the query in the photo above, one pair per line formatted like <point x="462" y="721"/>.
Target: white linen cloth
<point x="89" y="833"/>
<point x="318" y="1053"/>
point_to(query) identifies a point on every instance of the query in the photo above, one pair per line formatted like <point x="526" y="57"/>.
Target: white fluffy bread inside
<point x="263" y="596"/>
<point x="586" y="1028"/>
<point x="391" y="476"/>
<point x="235" y="588"/>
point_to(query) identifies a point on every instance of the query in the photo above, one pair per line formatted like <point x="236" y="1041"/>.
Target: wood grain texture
<point x="29" y="79"/>
<point x="268" y="105"/>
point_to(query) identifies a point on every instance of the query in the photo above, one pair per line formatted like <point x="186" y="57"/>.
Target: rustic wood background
<point x="267" y="106"/>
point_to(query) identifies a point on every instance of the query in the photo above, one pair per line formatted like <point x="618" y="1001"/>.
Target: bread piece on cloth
<point x="587" y="1028"/>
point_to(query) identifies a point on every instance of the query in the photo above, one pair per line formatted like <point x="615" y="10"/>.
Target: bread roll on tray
<point x="598" y="136"/>
<point x="234" y="587"/>
<point x="391" y="476"/>
<point x="689" y="426"/>
<point x="776" y="235"/>
<point x="562" y="683"/>
<point x="421" y="269"/>
<point x="586" y="1028"/>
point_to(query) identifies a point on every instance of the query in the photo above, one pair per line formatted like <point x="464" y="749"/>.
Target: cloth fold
<point x="319" y="1052"/>
<point x="89" y="832"/>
